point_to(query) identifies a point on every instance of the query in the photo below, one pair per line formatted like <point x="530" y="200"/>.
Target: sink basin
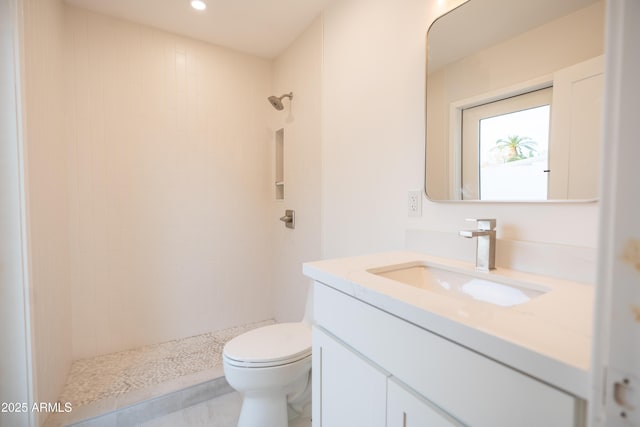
<point x="484" y="287"/>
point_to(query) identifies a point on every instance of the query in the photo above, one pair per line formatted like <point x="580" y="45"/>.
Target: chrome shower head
<point x="277" y="101"/>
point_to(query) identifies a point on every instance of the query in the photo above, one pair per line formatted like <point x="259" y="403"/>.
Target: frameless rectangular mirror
<point x="514" y="100"/>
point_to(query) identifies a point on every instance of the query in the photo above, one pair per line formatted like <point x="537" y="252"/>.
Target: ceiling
<point x="259" y="27"/>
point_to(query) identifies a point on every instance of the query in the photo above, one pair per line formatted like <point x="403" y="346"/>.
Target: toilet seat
<point x="270" y="346"/>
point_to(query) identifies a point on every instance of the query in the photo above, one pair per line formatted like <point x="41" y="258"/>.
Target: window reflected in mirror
<point x="506" y="145"/>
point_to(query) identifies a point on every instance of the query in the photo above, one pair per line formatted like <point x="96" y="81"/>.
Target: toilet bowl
<point x="271" y="368"/>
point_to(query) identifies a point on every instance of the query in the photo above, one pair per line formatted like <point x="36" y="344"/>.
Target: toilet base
<point x="264" y="411"/>
<point x="272" y="396"/>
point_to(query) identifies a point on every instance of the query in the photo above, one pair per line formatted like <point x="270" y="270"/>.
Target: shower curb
<point x="143" y="405"/>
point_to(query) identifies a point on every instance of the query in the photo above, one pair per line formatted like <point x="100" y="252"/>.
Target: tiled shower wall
<point x="169" y="185"/>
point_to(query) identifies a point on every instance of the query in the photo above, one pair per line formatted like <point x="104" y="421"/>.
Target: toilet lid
<point x="272" y="344"/>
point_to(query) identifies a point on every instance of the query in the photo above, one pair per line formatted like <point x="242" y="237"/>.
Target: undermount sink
<point x="484" y="287"/>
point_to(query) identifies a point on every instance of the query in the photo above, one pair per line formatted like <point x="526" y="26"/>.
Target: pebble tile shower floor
<point x="114" y="374"/>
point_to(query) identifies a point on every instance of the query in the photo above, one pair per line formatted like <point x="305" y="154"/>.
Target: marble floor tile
<point x="219" y="412"/>
<point x="222" y="411"/>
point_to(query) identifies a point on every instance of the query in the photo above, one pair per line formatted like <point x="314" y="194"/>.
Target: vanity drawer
<point x="472" y="388"/>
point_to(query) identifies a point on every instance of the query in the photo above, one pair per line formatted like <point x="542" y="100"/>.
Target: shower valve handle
<point x="289" y="218"/>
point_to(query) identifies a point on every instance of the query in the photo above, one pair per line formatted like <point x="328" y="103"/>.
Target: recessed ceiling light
<point x="198" y="4"/>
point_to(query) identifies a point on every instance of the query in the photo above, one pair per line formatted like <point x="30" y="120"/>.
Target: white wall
<point x="47" y="176"/>
<point x="298" y="69"/>
<point x="373" y="122"/>
<point x="373" y="139"/>
<point x="15" y="359"/>
<point x="170" y="185"/>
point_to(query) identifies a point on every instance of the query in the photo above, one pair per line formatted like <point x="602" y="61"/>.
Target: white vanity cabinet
<point x="371" y="368"/>
<point x="353" y="392"/>
<point x="405" y="408"/>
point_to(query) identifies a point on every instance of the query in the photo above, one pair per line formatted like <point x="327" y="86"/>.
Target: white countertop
<point x="548" y="337"/>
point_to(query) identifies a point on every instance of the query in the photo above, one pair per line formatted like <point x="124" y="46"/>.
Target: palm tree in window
<point x="514" y="147"/>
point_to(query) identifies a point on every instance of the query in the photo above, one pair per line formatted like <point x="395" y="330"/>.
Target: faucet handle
<point x="485" y="223"/>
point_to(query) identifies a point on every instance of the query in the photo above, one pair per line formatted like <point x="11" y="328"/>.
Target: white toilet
<point x="271" y="368"/>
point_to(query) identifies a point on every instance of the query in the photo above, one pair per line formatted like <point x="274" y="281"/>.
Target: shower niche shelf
<point x="279" y="181"/>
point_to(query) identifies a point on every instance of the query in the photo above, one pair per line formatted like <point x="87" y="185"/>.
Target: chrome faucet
<point x="486" y="243"/>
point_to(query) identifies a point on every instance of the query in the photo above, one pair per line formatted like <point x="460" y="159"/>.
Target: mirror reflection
<point x="514" y="100"/>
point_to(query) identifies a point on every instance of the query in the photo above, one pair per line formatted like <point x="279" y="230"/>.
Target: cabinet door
<point x="347" y="390"/>
<point x="406" y="408"/>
